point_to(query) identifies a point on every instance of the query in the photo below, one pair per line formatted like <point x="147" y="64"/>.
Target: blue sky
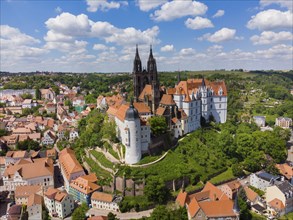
<point x="100" y="35"/>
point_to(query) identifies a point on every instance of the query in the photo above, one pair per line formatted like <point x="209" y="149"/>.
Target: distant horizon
<point x="123" y="72"/>
<point x="101" y="35"/>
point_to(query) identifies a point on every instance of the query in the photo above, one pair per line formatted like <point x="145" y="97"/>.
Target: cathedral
<point x="183" y="107"/>
<point x="146" y="77"/>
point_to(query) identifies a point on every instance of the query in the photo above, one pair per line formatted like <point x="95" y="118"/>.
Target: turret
<point x="132" y="123"/>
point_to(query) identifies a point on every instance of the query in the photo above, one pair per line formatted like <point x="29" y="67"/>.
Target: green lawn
<point x="289" y="216"/>
<point x="227" y="175"/>
<point x="191" y="158"/>
<point x="101" y="173"/>
<point x="102" y="159"/>
<point x="110" y="150"/>
<point x="148" y="159"/>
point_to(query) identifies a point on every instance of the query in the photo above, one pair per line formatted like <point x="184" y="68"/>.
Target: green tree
<point x="38" y="94"/>
<point x="90" y="98"/>
<point x="237" y="170"/>
<point x="112" y="216"/>
<point x="26" y="96"/>
<point x="244" y="209"/>
<point x="160" y="213"/>
<point x="156" y="190"/>
<point x="3" y="132"/>
<point x="80" y="212"/>
<point x="28" y="145"/>
<point x="158" y="125"/>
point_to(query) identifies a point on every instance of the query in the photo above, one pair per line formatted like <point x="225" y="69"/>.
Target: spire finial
<point x="131" y="102"/>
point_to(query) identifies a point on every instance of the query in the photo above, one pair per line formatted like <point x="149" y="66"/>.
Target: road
<point x="122" y="216"/>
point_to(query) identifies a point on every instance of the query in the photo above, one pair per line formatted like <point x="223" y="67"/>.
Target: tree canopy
<point x="158" y="125"/>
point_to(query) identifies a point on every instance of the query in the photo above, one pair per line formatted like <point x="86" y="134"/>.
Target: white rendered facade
<point x="133" y="135"/>
<point x="17" y="180"/>
<point x="60" y="208"/>
<point x="104" y="205"/>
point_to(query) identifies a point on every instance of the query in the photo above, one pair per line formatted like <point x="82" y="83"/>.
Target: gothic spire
<point x="151" y="57"/>
<point x="136" y="62"/>
<point x="136" y="53"/>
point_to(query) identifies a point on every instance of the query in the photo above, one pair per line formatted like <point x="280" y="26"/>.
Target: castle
<point x="183" y="107"/>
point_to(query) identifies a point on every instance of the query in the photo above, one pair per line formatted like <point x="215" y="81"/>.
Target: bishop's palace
<point x="182" y="106"/>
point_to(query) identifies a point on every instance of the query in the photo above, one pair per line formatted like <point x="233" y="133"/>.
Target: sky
<point x="101" y="35"/>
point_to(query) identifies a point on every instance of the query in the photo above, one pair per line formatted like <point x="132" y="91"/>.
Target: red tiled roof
<point x="181" y="198"/>
<point x="167" y="100"/>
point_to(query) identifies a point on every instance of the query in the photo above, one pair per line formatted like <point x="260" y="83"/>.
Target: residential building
<point x="78" y="101"/>
<point x="260" y="120"/>
<point x="284" y="122"/>
<point x="13" y="156"/>
<point x="104" y="201"/>
<point x="15" y="212"/>
<point x="261" y="180"/>
<point x="231" y="188"/>
<point x="210" y="203"/>
<point x="13" y="110"/>
<point x="49" y="138"/>
<point x="29" y="172"/>
<point x="73" y="134"/>
<point x="83" y="187"/>
<point x="286" y="170"/>
<point x="282" y="191"/>
<point x="276" y="207"/>
<point x="34" y="207"/>
<point x="59" y="203"/>
<point x="50" y="108"/>
<point x="29" y="103"/>
<point x="252" y="197"/>
<point x="70" y="167"/>
<point x="47" y="94"/>
<point x="22" y="193"/>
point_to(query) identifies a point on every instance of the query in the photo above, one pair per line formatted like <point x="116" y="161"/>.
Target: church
<point x="183" y="107"/>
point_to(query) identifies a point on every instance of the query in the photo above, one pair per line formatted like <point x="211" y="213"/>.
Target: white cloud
<point x="215" y="49"/>
<point x="68" y="28"/>
<point x="14" y="36"/>
<point x="219" y="13"/>
<point x="146" y="5"/>
<point x="198" y="23"/>
<point x="104" y="5"/>
<point x="187" y="52"/>
<point x="167" y="48"/>
<point x="18" y="49"/>
<point x="69" y="24"/>
<point x="221" y="35"/>
<point x="269" y="37"/>
<point x="100" y="47"/>
<point x="177" y="9"/>
<point x="58" y="10"/>
<point x="277" y="51"/>
<point x="271" y="19"/>
<point x="131" y="36"/>
<point x="283" y="3"/>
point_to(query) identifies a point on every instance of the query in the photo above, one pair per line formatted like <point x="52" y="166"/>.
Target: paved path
<point x="122" y="216"/>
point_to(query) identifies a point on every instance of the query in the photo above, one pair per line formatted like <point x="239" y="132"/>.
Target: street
<point x="122" y="216"/>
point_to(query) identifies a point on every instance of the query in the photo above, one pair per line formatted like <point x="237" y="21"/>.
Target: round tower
<point x="132" y="124"/>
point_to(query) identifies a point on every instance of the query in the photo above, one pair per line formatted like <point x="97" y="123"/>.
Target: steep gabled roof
<point x="69" y="163"/>
<point x="181" y="198"/>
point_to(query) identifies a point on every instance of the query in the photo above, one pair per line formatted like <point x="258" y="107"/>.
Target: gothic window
<point x="220" y="106"/>
<point x="220" y="99"/>
<point x="211" y="106"/>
